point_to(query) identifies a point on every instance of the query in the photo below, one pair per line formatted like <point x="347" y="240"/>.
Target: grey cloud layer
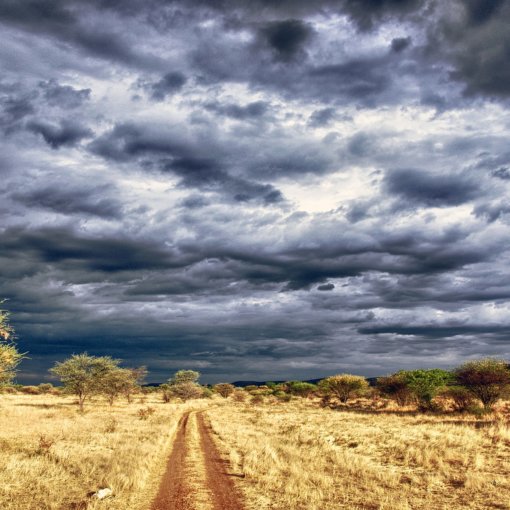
<point x="256" y="189"/>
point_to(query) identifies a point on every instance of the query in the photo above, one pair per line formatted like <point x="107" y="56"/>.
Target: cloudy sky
<point x="256" y="189"/>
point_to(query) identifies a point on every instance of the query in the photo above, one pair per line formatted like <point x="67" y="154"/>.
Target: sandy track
<point x="196" y="477"/>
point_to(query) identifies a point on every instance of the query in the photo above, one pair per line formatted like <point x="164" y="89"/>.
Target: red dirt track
<point x="174" y="493"/>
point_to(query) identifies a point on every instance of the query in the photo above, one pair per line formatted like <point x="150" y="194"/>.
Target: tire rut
<point x="175" y="492"/>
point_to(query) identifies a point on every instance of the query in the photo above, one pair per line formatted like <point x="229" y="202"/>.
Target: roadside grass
<point x="296" y="456"/>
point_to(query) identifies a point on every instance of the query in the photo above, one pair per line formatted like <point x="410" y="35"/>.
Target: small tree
<point x="137" y="375"/>
<point x="395" y="386"/>
<point x="10" y="357"/>
<point x="224" y="389"/>
<point x="83" y="375"/>
<point x="185" y="376"/>
<point x="426" y="384"/>
<point x="166" y="392"/>
<point x="487" y="379"/>
<point x="184" y="384"/>
<point x="117" y="382"/>
<point x="343" y="386"/>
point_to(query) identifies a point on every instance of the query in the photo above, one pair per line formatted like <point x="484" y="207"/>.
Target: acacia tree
<point x="487" y="379"/>
<point x="10" y="357"/>
<point x="184" y="384"/>
<point x="119" y="381"/>
<point x="343" y="386"/>
<point x="224" y="389"/>
<point x="83" y="375"/>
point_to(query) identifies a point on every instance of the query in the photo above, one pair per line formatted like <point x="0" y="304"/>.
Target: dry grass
<point x="52" y="457"/>
<point x="296" y="456"/>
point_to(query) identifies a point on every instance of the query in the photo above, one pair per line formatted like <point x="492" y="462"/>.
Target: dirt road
<point x="196" y="477"/>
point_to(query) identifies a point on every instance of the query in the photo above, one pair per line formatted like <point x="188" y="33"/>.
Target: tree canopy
<point x="10" y="357"/>
<point x="83" y="375"/>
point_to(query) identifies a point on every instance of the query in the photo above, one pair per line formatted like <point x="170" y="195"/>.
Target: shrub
<point x="301" y="389"/>
<point x="395" y="386"/>
<point x="282" y="396"/>
<point x="238" y="395"/>
<point x="30" y="390"/>
<point x="257" y="399"/>
<point x="111" y="425"/>
<point x="207" y="392"/>
<point x="343" y="386"/>
<point x="187" y="391"/>
<point x="487" y="379"/>
<point x="45" y="444"/>
<point x="461" y="398"/>
<point x="45" y="388"/>
<point x="166" y="392"/>
<point x="146" y="412"/>
<point x="426" y="384"/>
<point x="224" y="389"/>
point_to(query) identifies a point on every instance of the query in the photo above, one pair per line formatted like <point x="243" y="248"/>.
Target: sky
<point x="256" y="189"/>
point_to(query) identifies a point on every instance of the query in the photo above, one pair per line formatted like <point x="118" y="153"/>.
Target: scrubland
<point x="282" y="455"/>
<point x="53" y="458"/>
<point x="297" y="456"/>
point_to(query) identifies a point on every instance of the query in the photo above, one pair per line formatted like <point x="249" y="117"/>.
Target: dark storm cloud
<point x="169" y="84"/>
<point x="476" y="41"/>
<point x="193" y="164"/>
<point x="400" y="44"/>
<point x="15" y="106"/>
<point x="89" y="201"/>
<point x="322" y="117"/>
<point x="63" y="246"/>
<point x="436" y="330"/>
<point x="424" y="188"/>
<point x="67" y="134"/>
<point x="286" y="38"/>
<point x="253" y="110"/>
<point x="369" y="13"/>
<point x="62" y="21"/>
<point x="265" y="205"/>
<point x="64" y="96"/>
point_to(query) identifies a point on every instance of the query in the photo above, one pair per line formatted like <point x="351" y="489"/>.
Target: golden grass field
<point x="288" y="456"/>
<point x="52" y="457"/>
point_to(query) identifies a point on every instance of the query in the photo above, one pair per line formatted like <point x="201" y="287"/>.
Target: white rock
<point x="103" y="493"/>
